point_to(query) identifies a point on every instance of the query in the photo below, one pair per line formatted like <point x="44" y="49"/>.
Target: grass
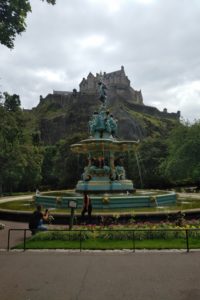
<point x="14" y="194"/>
<point x="21" y="205"/>
<point x="166" y="236"/>
<point x="101" y="244"/>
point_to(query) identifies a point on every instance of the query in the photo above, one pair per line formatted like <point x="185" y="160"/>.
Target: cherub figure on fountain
<point x="113" y="126"/>
<point x="99" y="125"/>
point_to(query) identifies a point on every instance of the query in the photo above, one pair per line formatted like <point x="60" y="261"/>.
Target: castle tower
<point x="114" y="81"/>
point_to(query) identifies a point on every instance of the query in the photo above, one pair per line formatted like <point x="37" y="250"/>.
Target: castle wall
<point x="117" y="81"/>
<point x="64" y="100"/>
<point x="118" y="84"/>
<point x="153" y="111"/>
<point x="117" y="78"/>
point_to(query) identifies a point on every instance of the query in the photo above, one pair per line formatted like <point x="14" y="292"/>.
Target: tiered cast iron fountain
<point x="104" y="177"/>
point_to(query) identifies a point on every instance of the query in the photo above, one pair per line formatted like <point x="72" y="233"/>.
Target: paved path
<point x="99" y="276"/>
<point x="16" y="236"/>
<point x="189" y="195"/>
<point x="114" y="275"/>
<point x="15" y="198"/>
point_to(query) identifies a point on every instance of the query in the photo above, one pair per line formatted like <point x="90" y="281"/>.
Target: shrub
<point x="140" y="232"/>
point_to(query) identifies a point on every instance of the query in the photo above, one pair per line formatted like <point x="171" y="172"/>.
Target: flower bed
<point x="141" y="231"/>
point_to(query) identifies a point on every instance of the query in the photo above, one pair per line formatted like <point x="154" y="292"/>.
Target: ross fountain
<point x="104" y="176"/>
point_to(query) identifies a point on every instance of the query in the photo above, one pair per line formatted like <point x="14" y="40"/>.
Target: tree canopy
<point x="12" y="102"/>
<point x="182" y="165"/>
<point x="13" y="14"/>
<point x="20" y="160"/>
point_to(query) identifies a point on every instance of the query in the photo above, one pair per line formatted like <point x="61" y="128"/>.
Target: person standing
<point x="87" y="207"/>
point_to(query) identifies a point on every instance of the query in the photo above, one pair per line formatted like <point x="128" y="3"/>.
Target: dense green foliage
<point x="182" y="164"/>
<point x="143" y="166"/>
<point x="141" y="233"/>
<point x="13" y="15"/>
<point x="20" y="160"/>
<point x="12" y="102"/>
<point x="169" y="161"/>
<point x="27" y="163"/>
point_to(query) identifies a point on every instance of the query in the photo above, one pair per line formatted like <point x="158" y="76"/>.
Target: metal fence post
<point x="8" y="246"/>
<point x="24" y="239"/>
<point x="133" y="236"/>
<point x="187" y="240"/>
<point x="80" y="240"/>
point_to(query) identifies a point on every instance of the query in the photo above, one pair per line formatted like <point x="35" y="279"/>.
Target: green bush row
<point x="113" y="235"/>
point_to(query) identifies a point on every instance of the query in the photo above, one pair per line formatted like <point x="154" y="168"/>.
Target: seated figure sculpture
<point x="86" y="175"/>
<point x="113" y="126"/>
<point x="99" y="125"/>
<point x="97" y="167"/>
<point x="120" y="173"/>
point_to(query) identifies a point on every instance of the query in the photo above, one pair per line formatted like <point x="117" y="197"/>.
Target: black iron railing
<point x="134" y="232"/>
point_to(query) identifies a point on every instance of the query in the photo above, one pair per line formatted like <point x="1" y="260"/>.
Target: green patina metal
<point x="105" y="171"/>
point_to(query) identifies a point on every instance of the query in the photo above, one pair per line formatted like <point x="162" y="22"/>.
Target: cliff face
<point x="61" y="116"/>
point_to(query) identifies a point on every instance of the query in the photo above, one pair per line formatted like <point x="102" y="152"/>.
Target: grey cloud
<point x="158" y="43"/>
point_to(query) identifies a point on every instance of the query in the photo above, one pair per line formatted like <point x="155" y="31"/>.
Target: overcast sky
<point x="157" y="42"/>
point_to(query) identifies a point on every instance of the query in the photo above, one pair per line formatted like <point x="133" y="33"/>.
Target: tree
<point x="12" y="102"/>
<point x="10" y="156"/>
<point x="68" y="166"/>
<point x="49" y="177"/>
<point x="143" y="166"/>
<point x="31" y="173"/>
<point x="182" y="165"/>
<point x="20" y="161"/>
<point x="13" y="14"/>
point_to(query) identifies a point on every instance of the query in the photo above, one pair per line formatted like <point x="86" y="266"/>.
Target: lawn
<point x="100" y="244"/>
<point x="113" y="240"/>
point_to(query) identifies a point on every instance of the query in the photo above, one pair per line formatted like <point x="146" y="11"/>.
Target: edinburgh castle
<point x="118" y="86"/>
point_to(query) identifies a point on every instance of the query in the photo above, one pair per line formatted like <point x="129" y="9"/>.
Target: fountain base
<point x="111" y="201"/>
<point x="103" y="184"/>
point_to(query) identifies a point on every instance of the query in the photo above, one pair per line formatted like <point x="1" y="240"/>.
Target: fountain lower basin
<point x="110" y="201"/>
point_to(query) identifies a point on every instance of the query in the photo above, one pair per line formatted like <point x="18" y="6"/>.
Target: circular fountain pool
<point x="106" y="201"/>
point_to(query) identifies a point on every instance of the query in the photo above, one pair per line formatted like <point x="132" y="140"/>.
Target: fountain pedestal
<point x="103" y="184"/>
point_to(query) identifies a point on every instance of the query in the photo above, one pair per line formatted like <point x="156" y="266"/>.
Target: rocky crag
<point x="62" y="113"/>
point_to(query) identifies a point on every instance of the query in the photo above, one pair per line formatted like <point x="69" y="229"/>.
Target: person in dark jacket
<point x="37" y="219"/>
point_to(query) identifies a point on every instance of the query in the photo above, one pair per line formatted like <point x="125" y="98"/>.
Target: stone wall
<point x="153" y="111"/>
<point x="118" y="88"/>
<point x="85" y="99"/>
